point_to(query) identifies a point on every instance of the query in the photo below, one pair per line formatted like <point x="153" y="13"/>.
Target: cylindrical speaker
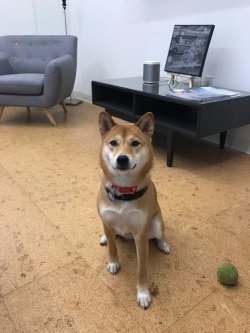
<point x="151" y="71"/>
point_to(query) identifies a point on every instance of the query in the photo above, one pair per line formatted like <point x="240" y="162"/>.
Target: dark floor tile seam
<point x="9" y="175"/>
<point x="36" y="280"/>
<point x="78" y="187"/>
<point x="195" y="306"/>
<point x="10" y="317"/>
<point x="50" y="223"/>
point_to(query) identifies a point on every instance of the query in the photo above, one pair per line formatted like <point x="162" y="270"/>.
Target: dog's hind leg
<point x="103" y="240"/>
<point x="163" y="245"/>
<point x="157" y="232"/>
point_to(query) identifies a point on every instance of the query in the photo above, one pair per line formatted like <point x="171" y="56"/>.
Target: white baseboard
<point x="82" y="96"/>
<point x="232" y="142"/>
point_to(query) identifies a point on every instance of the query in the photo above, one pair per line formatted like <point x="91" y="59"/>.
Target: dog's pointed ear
<point x="146" y="124"/>
<point x="106" y="122"/>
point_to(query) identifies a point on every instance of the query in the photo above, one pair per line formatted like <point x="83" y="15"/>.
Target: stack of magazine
<point x="202" y="94"/>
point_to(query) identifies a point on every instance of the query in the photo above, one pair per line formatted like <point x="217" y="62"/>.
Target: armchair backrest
<point x="31" y="53"/>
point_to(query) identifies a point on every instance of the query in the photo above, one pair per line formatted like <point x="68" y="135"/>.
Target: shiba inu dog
<point x="127" y="201"/>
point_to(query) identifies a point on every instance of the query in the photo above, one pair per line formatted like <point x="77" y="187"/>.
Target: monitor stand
<point x="189" y="77"/>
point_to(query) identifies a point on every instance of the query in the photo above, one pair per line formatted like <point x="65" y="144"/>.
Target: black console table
<point x="130" y="98"/>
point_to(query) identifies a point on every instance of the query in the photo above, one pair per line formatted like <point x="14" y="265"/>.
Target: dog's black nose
<point x="122" y="161"/>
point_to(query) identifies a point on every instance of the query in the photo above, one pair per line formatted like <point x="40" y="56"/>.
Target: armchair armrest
<point x="5" y="67"/>
<point x="59" y="78"/>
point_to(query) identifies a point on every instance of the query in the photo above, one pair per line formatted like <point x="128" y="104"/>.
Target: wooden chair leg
<point x="64" y="107"/>
<point x="50" y="116"/>
<point x="1" y="110"/>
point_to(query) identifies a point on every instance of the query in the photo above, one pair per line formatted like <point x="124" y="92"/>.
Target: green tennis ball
<point x="227" y="274"/>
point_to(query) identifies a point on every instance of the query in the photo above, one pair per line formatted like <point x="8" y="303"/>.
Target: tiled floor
<point x="53" y="275"/>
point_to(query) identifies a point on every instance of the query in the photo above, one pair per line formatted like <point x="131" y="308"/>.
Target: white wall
<point x="17" y="17"/>
<point x="116" y="36"/>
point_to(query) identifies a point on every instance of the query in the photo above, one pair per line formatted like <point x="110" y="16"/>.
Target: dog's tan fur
<point x="142" y="217"/>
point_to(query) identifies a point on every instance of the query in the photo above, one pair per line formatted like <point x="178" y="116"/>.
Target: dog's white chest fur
<point x="123" y="219"/>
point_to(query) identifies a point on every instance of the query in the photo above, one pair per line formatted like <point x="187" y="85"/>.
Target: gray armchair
<point x="37" y="71"/>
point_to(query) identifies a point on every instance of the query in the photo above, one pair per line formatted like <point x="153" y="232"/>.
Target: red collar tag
<point x="125" y="189"/>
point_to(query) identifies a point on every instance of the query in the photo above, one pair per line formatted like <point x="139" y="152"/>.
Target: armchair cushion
<point x="22" y="84"/>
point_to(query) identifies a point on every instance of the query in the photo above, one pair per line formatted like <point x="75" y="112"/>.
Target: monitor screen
<point x="188" y="49"/>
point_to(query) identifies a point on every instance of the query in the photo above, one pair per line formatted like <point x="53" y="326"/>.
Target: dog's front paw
<point x="143" y="298"/>
<point x="113" y="267"/>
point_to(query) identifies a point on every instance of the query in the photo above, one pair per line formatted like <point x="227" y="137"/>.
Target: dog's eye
<point x="113" y="143"/>
<point x="135" y="143"/>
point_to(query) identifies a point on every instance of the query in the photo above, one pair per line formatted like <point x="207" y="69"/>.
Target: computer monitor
<point x="188" y="49"/>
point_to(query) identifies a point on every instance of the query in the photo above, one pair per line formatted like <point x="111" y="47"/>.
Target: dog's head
<point x="126" y="149"/>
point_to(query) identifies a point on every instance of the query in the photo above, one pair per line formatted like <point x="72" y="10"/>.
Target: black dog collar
<point x="125" y="197"/>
